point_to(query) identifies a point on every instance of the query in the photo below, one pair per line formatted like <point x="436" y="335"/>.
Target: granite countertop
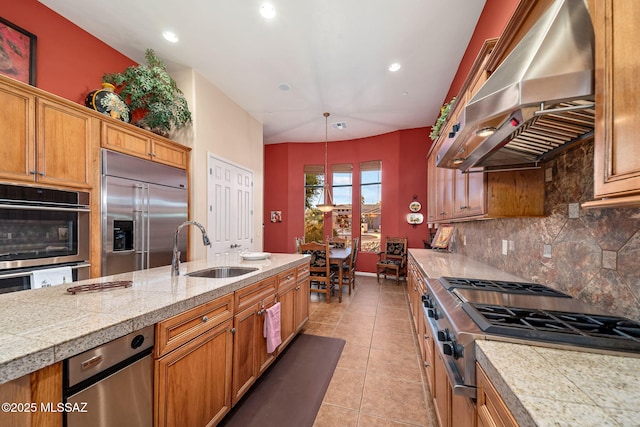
<point x="43" y="326"/>
<point x="544" y="386"/>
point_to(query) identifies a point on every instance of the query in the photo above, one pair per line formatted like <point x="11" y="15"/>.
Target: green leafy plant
<point x="152" y="94"/>
<point x="444" y="113"/>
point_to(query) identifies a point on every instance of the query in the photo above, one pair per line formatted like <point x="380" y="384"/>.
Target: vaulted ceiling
<point x="312" y="56"/>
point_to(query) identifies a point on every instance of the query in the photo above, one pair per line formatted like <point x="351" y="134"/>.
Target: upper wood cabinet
<point x="65" y="139"/>
<point x="142" y="144"/>
<point x="456" y="196"/>
<point x="49" y="142"/>
<point x="616" y="147"/>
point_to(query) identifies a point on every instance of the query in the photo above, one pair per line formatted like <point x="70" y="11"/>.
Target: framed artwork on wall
<point x="443" y="236"/>
<point x="17" y="53"/>
<point x="276" y="216"/>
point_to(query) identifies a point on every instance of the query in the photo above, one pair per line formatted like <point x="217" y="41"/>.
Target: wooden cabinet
<point x="616" y="148"/>
<point x="491" y="409"/>
<point x="441" y="392"/>
<point x="18" y="140"/>
<point x="193" y="364"/>
<point x="287" y="297"/>
<point x="31" y="392"/>
<point x="49" y="141"/>
<point x="65" y="139"/>
<point x="461" y="196"/>
<point x="293" y="295"/>
<point x="250" y="357"/>
<point x="142" y="144"/>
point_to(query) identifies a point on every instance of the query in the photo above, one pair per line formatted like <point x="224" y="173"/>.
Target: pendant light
<point x="326" y="207"/>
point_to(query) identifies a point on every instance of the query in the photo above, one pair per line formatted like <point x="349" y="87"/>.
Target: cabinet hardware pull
<point x="41" y="173"/>
<point x="426" y="365"/>
<point x="204" y="319"/>
<point x="297" y="288"/>
<point x="32" y="172"/>
<point x="233" y="330"/>
<point x="90" y="363"/>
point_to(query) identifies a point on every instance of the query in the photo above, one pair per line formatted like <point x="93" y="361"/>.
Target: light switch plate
<point x="546" y="252"/>
<point x="505" y="247"/>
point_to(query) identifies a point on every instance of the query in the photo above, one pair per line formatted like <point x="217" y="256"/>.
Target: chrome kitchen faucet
<point x="175" y="262"/>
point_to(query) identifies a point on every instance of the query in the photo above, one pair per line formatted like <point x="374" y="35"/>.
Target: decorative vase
<point x="108" y="102"/>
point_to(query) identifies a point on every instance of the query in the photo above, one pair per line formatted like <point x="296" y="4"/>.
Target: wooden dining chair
<point x="337" y="242"/>
<point x="394" y="259"/>
<point x="321" y="277"/>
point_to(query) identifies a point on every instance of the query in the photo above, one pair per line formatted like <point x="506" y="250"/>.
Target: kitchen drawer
<point x="491" y="409"/>
<point x="286" y="280"/>
<point x="246" y="297"/>
<point x="302" y="272"/>
<point x="179" y="329"/>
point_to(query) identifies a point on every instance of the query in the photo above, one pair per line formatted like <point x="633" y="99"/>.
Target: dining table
<point x="338" y="256"/>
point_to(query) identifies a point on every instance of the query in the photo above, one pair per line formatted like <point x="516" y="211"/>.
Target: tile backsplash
<point x="592" y="254"/>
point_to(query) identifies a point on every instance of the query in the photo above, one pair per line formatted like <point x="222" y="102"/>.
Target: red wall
<point x="69" y="61"/>
<point x="493" y="19"/>
<point x="403" y="155"/>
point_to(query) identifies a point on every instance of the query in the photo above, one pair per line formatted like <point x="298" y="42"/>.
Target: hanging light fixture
<point x="326" y="207"/>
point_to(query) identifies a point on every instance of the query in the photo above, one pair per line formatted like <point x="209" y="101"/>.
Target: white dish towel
<point x="50" y="277"/>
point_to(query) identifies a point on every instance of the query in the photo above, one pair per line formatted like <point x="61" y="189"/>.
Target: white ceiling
<point x="333" y="54"/>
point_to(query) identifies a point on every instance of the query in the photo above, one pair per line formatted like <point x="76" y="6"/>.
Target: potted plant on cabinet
<point x="152" y="95"/>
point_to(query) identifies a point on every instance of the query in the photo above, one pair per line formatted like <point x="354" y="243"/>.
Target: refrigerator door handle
<point x="139" y="225"/>
<point x="146" y="235"/>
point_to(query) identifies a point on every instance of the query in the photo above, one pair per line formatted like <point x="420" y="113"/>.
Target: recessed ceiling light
<point x="267" y="10"/>
<point x="394" y="67"/>
<point x="284" y="86"/>
<point x="170" y="36"/>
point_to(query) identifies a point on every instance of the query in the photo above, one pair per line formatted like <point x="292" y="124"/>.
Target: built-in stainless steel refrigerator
<point x="142" y="204"/>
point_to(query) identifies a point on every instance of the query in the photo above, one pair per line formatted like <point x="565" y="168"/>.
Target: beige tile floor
<point x="379" y="380"/>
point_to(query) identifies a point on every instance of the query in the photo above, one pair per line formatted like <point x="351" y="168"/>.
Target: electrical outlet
<point x="548" y="175"/>
<point x="512" y="245"/>
<point x="546" y="251"/>
<point x="505" y="247"/>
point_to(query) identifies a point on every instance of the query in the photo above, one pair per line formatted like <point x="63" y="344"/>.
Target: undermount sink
<point x="222" y="272"/>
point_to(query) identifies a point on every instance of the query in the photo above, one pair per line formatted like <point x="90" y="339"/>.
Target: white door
<point x="230" y="198"/>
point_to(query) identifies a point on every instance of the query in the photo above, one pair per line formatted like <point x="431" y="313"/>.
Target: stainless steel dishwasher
<point x="111" y="385"/>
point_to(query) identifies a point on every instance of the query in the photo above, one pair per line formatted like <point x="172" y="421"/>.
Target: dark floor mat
<point x="290" y="392"/>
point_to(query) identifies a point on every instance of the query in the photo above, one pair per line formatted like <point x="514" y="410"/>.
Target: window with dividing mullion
<point x="342" y="189"/>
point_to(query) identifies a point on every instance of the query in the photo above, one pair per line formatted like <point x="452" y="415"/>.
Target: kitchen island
<point x="43" y="326"/>
<point x="544" y="386"/>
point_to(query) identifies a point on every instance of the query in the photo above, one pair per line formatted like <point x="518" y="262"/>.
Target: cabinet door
<point x="616" y="148"/>
<point x="302" y="297"/>
<point x="65" y="137"/>
<point x="491" y="409"/>
<point x="288" y="326"/>
<point x="469" y="194"/>
<point x="193" y="382"/>
<point x="475" y="193"/>
<point x="444" y="194"/>
<point x="250" y="347"/>
<point x="441" y="392"/>
<point x="125" y="141"/>
<point x="17" y="143"/>
<point x="169" y="154"/>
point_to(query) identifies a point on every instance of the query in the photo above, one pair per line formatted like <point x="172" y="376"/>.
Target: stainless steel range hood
<point x="538" y="101"/>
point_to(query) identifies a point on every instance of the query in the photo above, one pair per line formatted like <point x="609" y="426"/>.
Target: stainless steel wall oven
<point x="41" y="228"/>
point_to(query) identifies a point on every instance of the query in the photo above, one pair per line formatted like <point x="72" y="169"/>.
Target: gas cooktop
<point x="598" y="331"/>
<point x="451" y="283"/>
